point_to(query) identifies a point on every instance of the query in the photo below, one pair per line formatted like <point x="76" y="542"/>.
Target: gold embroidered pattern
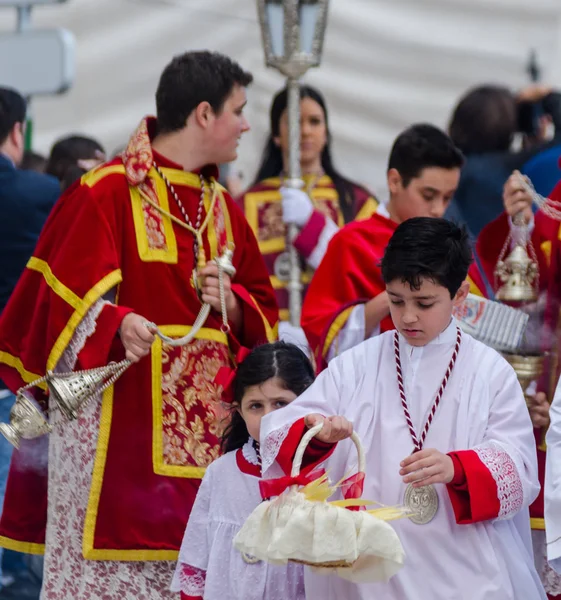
<point x="193" y="417"/>
<point x="220" y="226"/>
<point x="271" y="223"/>
<point x="137" y="157"/>
<point x="156" y="239"/>
<point x="154" y="228"/>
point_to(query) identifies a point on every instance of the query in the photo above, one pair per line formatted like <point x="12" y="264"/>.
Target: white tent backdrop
<point x="386" y="64"/>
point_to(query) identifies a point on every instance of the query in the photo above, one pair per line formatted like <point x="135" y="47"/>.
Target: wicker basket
<point x="296" y="466"/>
<point x="323" y="535"/>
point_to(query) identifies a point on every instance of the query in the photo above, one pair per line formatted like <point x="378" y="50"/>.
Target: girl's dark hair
<point x="271" y="160"/>
<point x="282" y="360"/>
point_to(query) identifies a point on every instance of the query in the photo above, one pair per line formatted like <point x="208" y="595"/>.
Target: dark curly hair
<point x="192" y="78"/>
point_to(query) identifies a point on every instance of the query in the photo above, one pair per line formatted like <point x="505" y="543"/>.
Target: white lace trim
<point x="550" y="579"/>
<point x="67" y="575"/>
<point x="273" y="443"/>
<point x="84" y="330"/>
<point x="192" y="580"/>
<point x="249" y="453"/>
<point x="503" y="469"/>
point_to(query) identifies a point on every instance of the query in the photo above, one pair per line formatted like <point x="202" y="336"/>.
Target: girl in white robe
<point x="209" y="566"/>
<point x="479" y="451"/>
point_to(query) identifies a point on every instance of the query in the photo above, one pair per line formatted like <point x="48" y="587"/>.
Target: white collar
<point x="249" y="453"/>
<point x="382" y="210"/>
<point x="447" y="336"/>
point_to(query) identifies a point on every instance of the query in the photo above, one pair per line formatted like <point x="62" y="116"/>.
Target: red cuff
<point x="308" y="238"/>
<point x="315" y="453"/>
<point x="96" y="350"/>
<point x="187" y="571"/>
<point x="459" y="479"/>
<point x="476" y="499"/>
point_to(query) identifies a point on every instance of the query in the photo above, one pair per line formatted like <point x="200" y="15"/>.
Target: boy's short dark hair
<point x="428" y="248"/>
<point x="192" y="78"/>
<point x="12" y="110"/>
<point x="420" y="147"/>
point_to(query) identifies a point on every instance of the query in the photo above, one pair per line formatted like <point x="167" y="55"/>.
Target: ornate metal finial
<point x="519" y="276"/>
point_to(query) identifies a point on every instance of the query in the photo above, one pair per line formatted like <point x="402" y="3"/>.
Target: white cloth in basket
<point x="292" y="527"/>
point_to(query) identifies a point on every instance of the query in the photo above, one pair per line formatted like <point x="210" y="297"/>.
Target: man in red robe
<point x="346" y="302"/>
<point x="118" y="253"/>
<point x="545" y="238"/>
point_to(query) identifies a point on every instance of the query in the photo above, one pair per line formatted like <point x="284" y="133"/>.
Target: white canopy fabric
<point x="386" y="64"/>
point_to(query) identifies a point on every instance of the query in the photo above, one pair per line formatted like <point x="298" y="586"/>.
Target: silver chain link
<point x="225" y="325"/>
<point x="551" y="208"/>
<point x="182" y="208"/>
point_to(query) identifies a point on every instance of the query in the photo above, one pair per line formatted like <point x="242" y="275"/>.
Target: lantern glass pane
<point x="275" y="17"/>
<point x="308" y="20"/>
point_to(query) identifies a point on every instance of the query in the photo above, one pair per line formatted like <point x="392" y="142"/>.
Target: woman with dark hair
<point x="73" y="156"/>
<point x="270" y="377"/>
<point x="326" y="203"/>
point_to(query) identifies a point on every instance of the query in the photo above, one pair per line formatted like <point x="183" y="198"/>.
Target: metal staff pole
<point x="293" y="32"/>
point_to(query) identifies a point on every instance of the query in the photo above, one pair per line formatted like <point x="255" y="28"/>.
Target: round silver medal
<point x="422" y="503"/>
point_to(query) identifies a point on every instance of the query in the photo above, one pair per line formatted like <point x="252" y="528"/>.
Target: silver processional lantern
<point x="293" y="32"/>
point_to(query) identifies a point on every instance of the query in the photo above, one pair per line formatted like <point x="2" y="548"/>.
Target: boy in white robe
<point x="477" y="451"/>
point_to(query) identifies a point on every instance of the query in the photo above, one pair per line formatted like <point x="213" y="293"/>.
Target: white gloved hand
<point x="297" y="207"/>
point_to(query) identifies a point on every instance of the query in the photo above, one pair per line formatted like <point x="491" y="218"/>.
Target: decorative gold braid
<point x="196" y="232"/>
